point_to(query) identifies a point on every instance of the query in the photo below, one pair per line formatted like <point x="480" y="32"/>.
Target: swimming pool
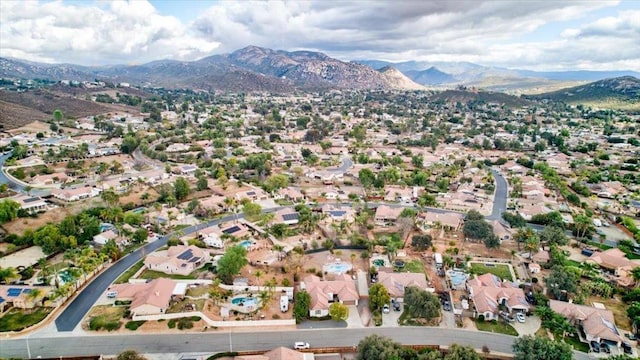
<point x="246" y="243"/>
<point x="244" y="301"/>
<point x="378" y="262"/>
<point x="337" y="268"/>
<point x="64" y="276"/>
<point x="458" y="278"/>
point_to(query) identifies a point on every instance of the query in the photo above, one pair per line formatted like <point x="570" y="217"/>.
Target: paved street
<point x="500" y="199"/>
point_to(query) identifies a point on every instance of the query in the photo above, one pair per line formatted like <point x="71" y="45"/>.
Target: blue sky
<point x="533" y="34"/>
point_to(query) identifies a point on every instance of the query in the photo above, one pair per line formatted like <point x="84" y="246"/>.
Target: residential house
<point x="598" y="324"/>
<point x="279" y="353"/>
<point x="177" y="260"/>
<point x="151" y="298"/>
<point x="489" y="293"/>
<point x="102" y="238"/>
<point x="616" y="263"/>
<point x="49" y="179"/>
<point x="337" y="213"/>
<point x="324" y="293"/>
<point x="30" y="204"/>
<point x="450" y="221"/>
<point x="405" y="195"/>
<point x="70" y="195"/>
<point x="20" y="296"/>
<point x="397" y="282"/>
<point x="286" y="216"/>
<point x="502" y="231"/>
<point x="387" y="215"/>
<point x="252" y="194"/>
<point x="291" y="194"/>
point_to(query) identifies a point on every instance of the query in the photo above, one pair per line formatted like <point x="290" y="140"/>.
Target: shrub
<point x="134" y="325"/>
<point x="286" y="282"/>
<point x="185" y="323"/>
<point x="481" y="318"/>
<point x="172" y="324"/>
<point x="275" y="316"/>
<point x="223" y="355"/>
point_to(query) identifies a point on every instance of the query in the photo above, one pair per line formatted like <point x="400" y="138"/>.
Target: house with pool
<point x="179" y="259"/>
<point x="326" y="292"/>
<point x="489" y="292"/>
<point x="397" y="282"/>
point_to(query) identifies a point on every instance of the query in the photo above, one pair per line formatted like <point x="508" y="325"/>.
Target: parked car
<point x="604" y="347"/>
<point x="626" y="347"/>
<point x="300" y="345"/>
<point x="520" y="317"/>
<point x="631" y="336"/>
<point x="595" y="346"/>
<point x="385" y="309"/>
<point x="396" y="306"/>
<point x="446" y="306"/>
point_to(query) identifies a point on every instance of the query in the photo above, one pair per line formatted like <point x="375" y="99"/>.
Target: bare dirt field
<point x="136" y="192"/>
<point x="18" y="226"/>
<point x="25" y="257"/>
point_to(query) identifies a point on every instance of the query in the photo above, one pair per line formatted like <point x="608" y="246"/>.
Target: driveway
<point x="448" y="320"/>
<point x="354" y="320"/>
<point x="529" y="327"/>
<point x="391" y="319"/>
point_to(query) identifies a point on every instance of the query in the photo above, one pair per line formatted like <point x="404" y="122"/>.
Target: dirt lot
<point x="616" y="306"/>
<point x="18" y="226"/>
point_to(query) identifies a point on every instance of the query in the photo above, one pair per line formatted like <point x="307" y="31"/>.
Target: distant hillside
<point x="464" y="96"/>
<point x="249" y="69"/>
<point x="430" y="76"/>
<point x="398" y="80"/>
<point x="620" y="92"/>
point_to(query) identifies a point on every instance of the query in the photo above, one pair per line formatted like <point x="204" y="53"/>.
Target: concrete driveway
<point x="354" y="320"/>
<point x="391" y="319"/>
<point x="529" y="327"/>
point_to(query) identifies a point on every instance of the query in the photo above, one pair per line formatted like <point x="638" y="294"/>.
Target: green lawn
<point x="130" y="272"/>
<point x="500" y="270"/>
<point x="599" y="246"/>
<point x="414" y="266"/>
<point x="575" y="343"/>
<point x="150" y="274"/>
<point x="499" y="327"/>
<point x="17" y="319"/>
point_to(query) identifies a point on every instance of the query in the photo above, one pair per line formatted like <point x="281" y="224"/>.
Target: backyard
<point x="129" y="273"/>
<point x="18" y="319"/>
<point x="414" y="266"/>
<point x="500" y="270"/>
<point x="150" y="275"/>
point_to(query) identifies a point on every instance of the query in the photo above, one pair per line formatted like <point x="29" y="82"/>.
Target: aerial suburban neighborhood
<point x="371" y="180"/>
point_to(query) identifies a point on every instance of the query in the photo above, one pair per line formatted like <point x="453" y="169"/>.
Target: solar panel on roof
<point x="26" y="291"/>
<point x="1" y="299"/>
<point x="337" y="212"/>
<point x="251" y="193"/>
<point x="231" y="230"/>
<point x="288" y="217"/>
<point x="186" y="255"/>
<point x="30" y="200"/>
<point x="195" y="259"/>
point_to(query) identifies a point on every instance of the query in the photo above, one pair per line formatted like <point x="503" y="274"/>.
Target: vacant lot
<point x="25" y="257"/>
<point x="17" y="319"/>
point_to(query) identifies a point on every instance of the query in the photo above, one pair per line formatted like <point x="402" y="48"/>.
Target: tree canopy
<point x="302" y="305"/>
<point x="231" y="263"/>
<point x="378" y="297"/>
<point x="338" y="311"/>
<point x="537" y="348"/>
<point x="421" y="303"/>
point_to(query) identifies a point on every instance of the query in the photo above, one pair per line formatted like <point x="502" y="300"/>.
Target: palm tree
<point x="258" y="274"/>
<point x="8" y="274"/>
<point x="532" y="244"/>
<point x="34" y="294"/>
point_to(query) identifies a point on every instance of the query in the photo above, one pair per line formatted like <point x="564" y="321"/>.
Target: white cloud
<point x="487" y="32"/>
<point x="110" y="32"/>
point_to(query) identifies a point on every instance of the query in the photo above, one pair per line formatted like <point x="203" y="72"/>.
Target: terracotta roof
<point x="597" y="323"/>
<point x="156" y="293"/>
<point x="612" y="259"/>
<point x="344" y="288"/>
<point x="395" y="282"/>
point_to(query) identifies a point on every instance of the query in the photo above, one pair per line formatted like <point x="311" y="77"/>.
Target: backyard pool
<point x="244" y="301"/>
<point x="336" y="268"/>
<point x="246" y="243"/>
<point x="378" y="262"/>
<point x="64" y="276"/>
<point x="458" y="278"/>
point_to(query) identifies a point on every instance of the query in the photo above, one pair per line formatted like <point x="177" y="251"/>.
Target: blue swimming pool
<point x="246" y="243"/>
<point x="64" y="276"/>
<point x="337" y="268"/>
<point x="458" y="278"/>
<point x="244" y="301"/>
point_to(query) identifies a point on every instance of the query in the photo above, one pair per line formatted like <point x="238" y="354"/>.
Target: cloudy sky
<point x="538" y="35"/>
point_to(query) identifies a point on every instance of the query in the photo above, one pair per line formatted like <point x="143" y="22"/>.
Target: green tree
<point x="130" y="355"/>
<point x="559" y="281"/>
<point x="458" y="352"/>
<point x="58" y="115"/>
<point x="8" y="210"/>
<point x="252" y="211"/>
<point x="376" y="347"/>
<point x="202" y="183"/>
<point x="421" y="242"/>
<point x="338" y="311"/>
<point x="110" y="197"/>
<point x="140" y="236"/>
<point x="301" y="307"/>
<point x="231" y="263"/>
<point x="378" y="297"/>
<point x="491" y="242"/>
<point x="367" y="177"/>
<point x="181" y="188"/>
<point x="421" y="303"/>
<point x="537" y="348"/>
<point x="129" y="144"/>
<point x="8" y="274"/>
<point x="275" y="182"/>
<point x="553" y="235"/>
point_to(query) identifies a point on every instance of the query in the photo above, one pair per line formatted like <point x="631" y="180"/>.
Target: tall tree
<point x="231" y="263"/>
<point x="378" y="297"/>
<point x="181" y="188"/>
<point x="8" y="210"/>
<point x="302" y="305"/>
<point x="537" y="348"/>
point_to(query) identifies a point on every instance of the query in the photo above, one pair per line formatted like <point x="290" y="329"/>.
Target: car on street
<point x="385" y="309"/>
<point x="298" y="345"/>
<point x="520" y="317"/>
<point x="595" y="346"/>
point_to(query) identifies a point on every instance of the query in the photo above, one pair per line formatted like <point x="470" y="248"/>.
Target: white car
<point x="385" y="309"/>
<point x="520" y="317"/>
<point x="298" y="345"/>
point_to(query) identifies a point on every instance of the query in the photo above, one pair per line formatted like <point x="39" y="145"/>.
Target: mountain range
<point x="260" y="69"/>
